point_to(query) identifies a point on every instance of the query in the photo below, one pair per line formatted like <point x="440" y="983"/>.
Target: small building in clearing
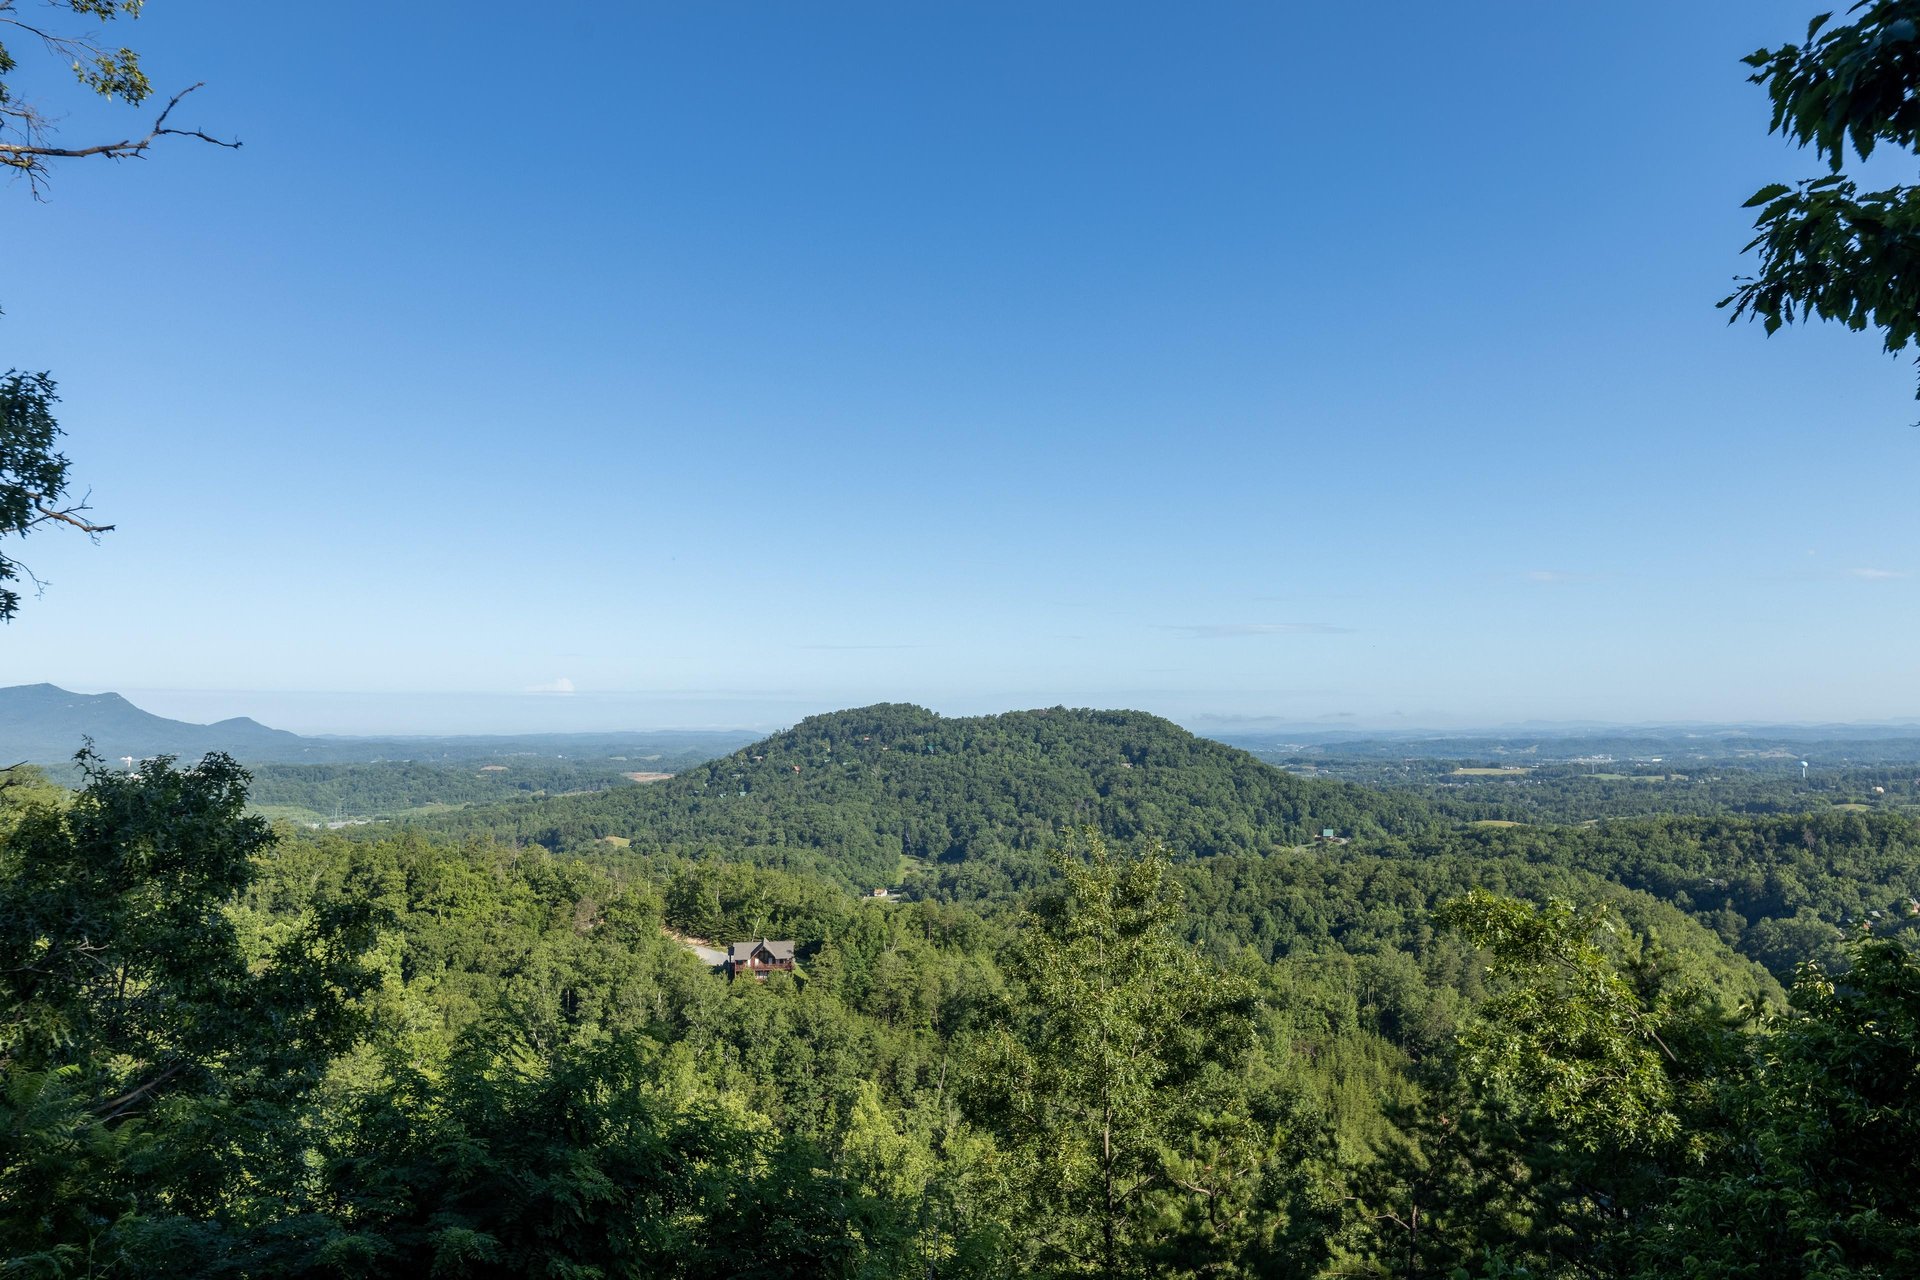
<point x="760" y="958"/>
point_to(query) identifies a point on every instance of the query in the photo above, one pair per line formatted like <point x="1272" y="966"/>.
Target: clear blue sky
<point x="730" y="361"/>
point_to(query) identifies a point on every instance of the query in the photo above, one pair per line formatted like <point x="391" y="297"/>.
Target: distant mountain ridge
<point x="45" y="724"/>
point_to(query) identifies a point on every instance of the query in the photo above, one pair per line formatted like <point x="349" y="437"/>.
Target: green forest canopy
<point x="495" y="1058"/>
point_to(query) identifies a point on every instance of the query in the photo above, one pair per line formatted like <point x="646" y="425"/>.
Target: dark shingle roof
<point x="742" y="952"/>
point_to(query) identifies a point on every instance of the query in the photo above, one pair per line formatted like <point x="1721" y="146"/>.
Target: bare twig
<point x="127" y="147"/>
<point x="12" y="566"/>
<point x="68" y="515"/>
<point x="30" y="157"/>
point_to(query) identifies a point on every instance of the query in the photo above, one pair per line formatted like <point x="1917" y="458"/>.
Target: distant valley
<point x="1526" y="775"/>
<point x="45" y="724"/>
<point x="319" y="780"/>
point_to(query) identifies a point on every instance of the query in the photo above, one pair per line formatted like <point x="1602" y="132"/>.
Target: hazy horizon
<point x="394" y="714"/>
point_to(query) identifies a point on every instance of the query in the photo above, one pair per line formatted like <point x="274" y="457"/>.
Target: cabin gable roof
<point x="775" y="951"/>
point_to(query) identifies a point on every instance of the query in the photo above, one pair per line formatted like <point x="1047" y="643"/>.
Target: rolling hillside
<point x="872" y="786"/>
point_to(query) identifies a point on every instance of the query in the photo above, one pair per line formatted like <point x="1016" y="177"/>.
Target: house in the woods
<point x="759" y="958"/>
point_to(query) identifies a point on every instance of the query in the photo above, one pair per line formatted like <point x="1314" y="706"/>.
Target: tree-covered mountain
<point x="856" y="792"/>
<point x="962" y="809"/>
<point x="45" y="724"/>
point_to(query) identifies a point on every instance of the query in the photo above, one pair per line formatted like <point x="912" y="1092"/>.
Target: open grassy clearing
<point x="310" y="818"/>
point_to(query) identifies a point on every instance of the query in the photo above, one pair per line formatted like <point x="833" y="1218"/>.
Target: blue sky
<point x="725" y="362"/>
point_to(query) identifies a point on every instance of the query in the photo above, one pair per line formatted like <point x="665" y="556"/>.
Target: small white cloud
<point x="1231" y="630"/>
<point x="1876" y="575"/>
<point x="561" y="686"/>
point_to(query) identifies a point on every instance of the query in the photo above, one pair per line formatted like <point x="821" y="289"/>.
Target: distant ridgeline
<point x="871" y="786"/>
<point x="1760" y="747"/>
<point x="296" y="776"/>
<point x="45" y="724"/>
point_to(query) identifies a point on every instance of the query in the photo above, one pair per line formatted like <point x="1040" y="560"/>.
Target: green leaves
<point x="114" y="74"/>
<point x="1822" y="1148"/>
<point x="1827" y="251"/>
<point x="1120" y="1089"/>
<point x="154" y="1069"/>
<point x="1830" y="252"/>
<point x="590" y="1160"/>
<point x="33" y="477"/>
<point x="1564" y="1034"/>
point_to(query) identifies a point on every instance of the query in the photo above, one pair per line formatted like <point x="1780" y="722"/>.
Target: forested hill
<point x="872" y="785"/>
<point x="47" y="724"/>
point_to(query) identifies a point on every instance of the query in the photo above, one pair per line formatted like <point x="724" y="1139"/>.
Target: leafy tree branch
<point x="1827" y="250"/>
<point x="26" y="127"/>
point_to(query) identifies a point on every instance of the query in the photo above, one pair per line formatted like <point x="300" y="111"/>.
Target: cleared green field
<point x="310" y="818"/>
<point x="286" y="813"/>
<point x="1503" y="771"/>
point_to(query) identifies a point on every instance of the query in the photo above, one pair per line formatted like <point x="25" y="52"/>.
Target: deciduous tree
<point x="151" y="1067"/>
<point x="1119" y="1089"/>
<point x="33" y="475"/>
<point x="1827" y="249"/>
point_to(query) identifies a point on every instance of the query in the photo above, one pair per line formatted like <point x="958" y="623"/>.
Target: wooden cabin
<point x="759" y="958"/>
